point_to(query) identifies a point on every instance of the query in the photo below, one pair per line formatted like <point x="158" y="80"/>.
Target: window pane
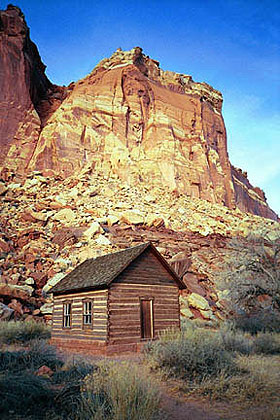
<point x="67" y="315"/>
<point x="87" y="312"/>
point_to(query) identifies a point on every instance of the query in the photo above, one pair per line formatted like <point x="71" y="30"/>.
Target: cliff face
<point x="127" y="119"/>
<point x="132" y="120"/>
<point x="26" y="94"/>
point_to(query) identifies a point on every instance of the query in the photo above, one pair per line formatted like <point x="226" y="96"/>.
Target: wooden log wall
<point x="146" y="269"/>
<point x="98" y="331"/>
<point x="144" y="278"/>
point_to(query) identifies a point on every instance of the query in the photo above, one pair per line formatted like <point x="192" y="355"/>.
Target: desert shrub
<point x="38" y="354"/>
<point x="239" y="388"/>
<point x="25" y="395"/>
<point x="22" y="331"/>
<point x="266" y="343"/>
<point x="266" y="321"/>
<point x="70" y="377"/>
<point x="119" y="391"/>
<point x="235" y="341"/>
<point x="195" y="354"/>
<point x="72" y="371"/>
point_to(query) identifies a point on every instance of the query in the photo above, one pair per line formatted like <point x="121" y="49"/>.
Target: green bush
<point x="195" y="354"/>
<point x="119" y="391"/>
<point x="266" y="343"/>
<point x="22" y="331"/>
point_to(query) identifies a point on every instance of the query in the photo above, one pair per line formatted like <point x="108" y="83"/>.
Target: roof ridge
<point x="118" y="252"/>
<point x="102" y="264"/>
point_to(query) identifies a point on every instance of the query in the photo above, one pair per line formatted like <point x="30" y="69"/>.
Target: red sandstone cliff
<point x="127" y="119"/>
<point x="26" y="94"/>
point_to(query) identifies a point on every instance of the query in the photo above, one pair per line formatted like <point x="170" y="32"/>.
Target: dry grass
<point x="119" y="391"/>
<point x="226" y="366"/>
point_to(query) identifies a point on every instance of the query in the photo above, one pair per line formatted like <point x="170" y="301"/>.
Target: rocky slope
<point x="49" y="225"/>
<point x="128" y="118"/>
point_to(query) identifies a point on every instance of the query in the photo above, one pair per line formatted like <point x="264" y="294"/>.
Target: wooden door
<point x="147" y="321"/>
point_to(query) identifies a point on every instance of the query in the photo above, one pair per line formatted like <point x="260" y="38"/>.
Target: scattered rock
<point x="92" y="230"/>
<point x="6" y="312"/>
<point x="102" y="240"/>
<point x="65" y="216"/>
<point x="132" y="217"/>
<point x="112" y="219"/>
<point x="186" y="312"/>
<point x="198" y="302"/>
<point x="44" y="371"/>
<point x="47" y="308"/>
<point x="52" y="282"/>
<point x="3" y="188"/>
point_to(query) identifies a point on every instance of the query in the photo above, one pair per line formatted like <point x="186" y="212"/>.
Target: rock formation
<point x="130" y="153"/>
<point x="26" y="95"/>
<point x="128" y="118"/>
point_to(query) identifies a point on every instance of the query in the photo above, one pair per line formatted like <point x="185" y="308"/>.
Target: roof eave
<point x="79" y="290"/>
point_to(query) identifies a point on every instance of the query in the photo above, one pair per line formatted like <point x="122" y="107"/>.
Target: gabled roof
<point x="101" y="271"/>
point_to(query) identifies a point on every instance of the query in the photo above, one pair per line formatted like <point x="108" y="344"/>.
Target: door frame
<point x="151" y="300"/>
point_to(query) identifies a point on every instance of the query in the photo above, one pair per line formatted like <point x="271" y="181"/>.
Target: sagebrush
<point x="23" y="331"/>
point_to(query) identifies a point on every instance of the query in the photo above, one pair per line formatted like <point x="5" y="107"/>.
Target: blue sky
<point x="233" y="45"/>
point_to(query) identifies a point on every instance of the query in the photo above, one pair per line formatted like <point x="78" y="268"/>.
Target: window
<point x="147" y="318"/>
<point x="67" y="312"/>
<point x="87" y="313"/>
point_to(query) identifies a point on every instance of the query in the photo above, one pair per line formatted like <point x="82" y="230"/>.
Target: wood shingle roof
<point x="101" y="271"/>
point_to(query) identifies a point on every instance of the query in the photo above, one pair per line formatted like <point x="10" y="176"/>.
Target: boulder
<point x="3" y="188"/>
<point x="198" y="302"/>
<point x="14" y="291"/>
<point x="191" y="281"/>
<point x="92" y="230"/>
<point x="33" y="216"/>
<point x="16" y="306"/>
<point x="186" y="312"/>
<point x="52" y="282"/>
<point x="5" y="312"/>
<point x="36" y="312"/>
<point x="29" y="281"/>
<point x="103" y="240"/>
<point x="47" y="308"/>
<point x="112" y="219"/>
<point x="4" y="246"/>
<point x="208" y="314"/>
<point x="154" y="220"/>
<point x="65" y="237"/>
<point x="132" y="217"/>
<point x="44" y="371"/>
<point x="65" y="216"/>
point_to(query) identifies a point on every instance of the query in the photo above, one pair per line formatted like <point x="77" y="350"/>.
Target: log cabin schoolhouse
<point x="116" y="302"/>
